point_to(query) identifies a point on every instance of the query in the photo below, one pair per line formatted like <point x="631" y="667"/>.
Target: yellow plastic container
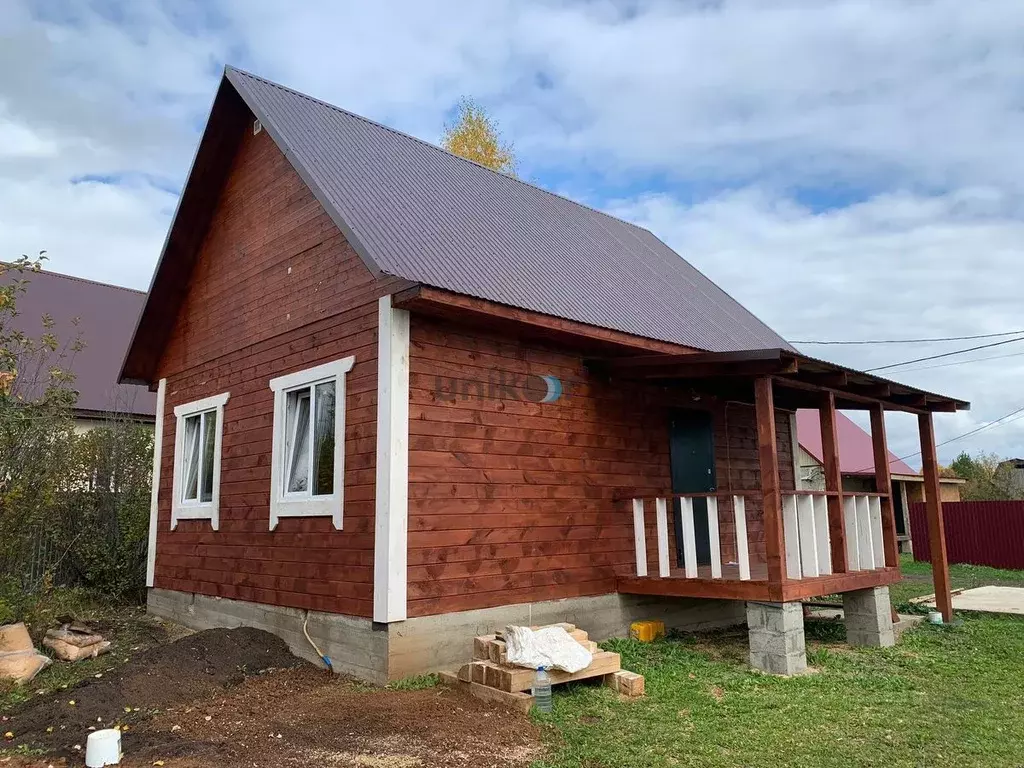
<point x="646" y="631"/>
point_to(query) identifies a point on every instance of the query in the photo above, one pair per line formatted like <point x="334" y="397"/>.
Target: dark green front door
<point x="692" y="453"/>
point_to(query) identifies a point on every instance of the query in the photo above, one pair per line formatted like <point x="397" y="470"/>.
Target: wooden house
<point x="404" y="400"/>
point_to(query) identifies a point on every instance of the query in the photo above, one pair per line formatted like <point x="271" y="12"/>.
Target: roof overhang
<point x="800" y="380"/>
<point x="525" y="323"/>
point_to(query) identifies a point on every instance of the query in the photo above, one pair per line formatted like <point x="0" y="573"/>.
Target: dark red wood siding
<point x="977" y="532"/>
<point x="276" y="289"/>
<point x="514" y="501"/>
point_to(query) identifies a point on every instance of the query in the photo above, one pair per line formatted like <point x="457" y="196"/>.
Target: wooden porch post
<point x="774" y="546"/>
<point x="833" y="481"/>
<point x="883" y="484"/>
<point x="933" y="510"/>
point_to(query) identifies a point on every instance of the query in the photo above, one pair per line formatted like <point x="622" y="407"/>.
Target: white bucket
<point x="103" y="748"/>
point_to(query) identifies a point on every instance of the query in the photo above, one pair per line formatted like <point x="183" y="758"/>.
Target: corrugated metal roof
<point x="106" y="316"/>
<point x="415" y="211"/>
<point x="856" y="451"/>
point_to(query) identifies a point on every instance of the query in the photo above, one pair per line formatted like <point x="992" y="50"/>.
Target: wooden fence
<point x="977" y="532"/>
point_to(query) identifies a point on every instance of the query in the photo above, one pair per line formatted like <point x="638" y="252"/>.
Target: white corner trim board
<point x="391" y="527"/>
<point x="307" y="503"/>
<point x="154" y="494"/>
<point x="197" y="509"/>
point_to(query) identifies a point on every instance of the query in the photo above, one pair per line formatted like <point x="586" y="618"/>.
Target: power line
<point x="1002" y="420"/>
<point x="962" y="362"/>
<point x="916" y="341"/>
<point x="944" y="354"/>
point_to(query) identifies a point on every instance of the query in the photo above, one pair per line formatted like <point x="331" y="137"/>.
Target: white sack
<point x="549" y="647"/>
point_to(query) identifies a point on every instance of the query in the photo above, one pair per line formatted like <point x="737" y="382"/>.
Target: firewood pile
<point x="488" y="675"/>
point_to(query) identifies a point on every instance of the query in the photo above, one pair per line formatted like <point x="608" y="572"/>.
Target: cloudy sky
<point x="847" y="170"/>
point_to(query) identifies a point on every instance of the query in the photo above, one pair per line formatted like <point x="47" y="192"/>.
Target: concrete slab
<point x="989" y="600"/>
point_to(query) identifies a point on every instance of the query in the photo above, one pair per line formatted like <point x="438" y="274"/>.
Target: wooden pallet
<point x="489" y="676"/>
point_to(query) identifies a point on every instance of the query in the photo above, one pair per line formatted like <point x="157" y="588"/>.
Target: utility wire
<point x="962" y="362"/>
<point x="916" y="341"/>
<point x="1002" y="420"/>
<point x="944" y="354"/>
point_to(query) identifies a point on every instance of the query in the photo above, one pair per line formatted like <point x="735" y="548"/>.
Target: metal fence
<point x="977" y="532"/>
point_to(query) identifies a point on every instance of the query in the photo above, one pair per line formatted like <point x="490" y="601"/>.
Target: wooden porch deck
<point x="730" y="587"/>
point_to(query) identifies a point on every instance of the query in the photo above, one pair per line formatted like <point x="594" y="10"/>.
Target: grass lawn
<point x="943" y="696"/>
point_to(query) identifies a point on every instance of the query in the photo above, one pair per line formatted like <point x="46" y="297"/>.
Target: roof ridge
<point x="78" y="279"/>
<point x="435" y="147"/>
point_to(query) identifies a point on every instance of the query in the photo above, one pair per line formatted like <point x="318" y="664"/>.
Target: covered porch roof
<point x="799" y="379"/>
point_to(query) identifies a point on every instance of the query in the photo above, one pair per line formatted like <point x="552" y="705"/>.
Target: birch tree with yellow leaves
<point x="474" y="135"/>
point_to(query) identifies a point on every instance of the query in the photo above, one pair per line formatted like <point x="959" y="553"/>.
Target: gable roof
<point x="415" y="211"/>
<point x="856" y="453"/>
<point x="106" y="314"/>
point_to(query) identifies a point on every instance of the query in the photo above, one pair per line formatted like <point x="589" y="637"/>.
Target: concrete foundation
<point x="381" y="653"/>
<point x="777" y="643"/>
<point x="445" y="641"/>
<point x="867" y="614"/>
<point x="352" y="644"/>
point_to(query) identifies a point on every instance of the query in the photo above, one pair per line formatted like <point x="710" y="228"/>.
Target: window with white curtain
<point x="197" y="449"/>
<point x="308" y="453"/>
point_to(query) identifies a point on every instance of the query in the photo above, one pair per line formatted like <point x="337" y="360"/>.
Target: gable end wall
<point x="276" y="288"/>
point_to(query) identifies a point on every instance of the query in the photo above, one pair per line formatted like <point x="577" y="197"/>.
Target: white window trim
<point x="315" y="506"/>
<point x="197" y="510"/>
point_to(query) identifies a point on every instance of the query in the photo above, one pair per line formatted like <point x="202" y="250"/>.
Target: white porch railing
<point x="862" y="516"/>
<point x="805" y="531"/>
<point x="690" y="569"/>
<point x="808" y="542"/>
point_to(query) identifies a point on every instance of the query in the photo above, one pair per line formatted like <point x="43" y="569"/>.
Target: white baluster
<point x="661" y="510"/>
<point x="807" y="536"/>
<point x="714" y="539"/>
<point x="824" y="534"/>
<point x="789" y="533"/>
<point x="877" y="547"/>
<point x="852" y="536"/>
<point x="689" y="538"/>
<point x="739" y="511"/>
<point x="867" y="558"/>
<point x="640" y="537"/>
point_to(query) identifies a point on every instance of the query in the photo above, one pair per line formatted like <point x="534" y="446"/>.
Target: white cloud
<point x="899" y="121"/>
<point x="896" y="266"/>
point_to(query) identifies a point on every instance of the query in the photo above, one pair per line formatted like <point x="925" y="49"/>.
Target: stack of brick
<point x="489" y="676"/>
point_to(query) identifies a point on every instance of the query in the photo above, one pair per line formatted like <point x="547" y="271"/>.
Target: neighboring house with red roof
<point x="106" y="315"/>
<point x="857" y="466"/>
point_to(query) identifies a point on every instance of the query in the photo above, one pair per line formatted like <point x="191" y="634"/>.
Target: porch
<point x="808" y="543"/>
<point x="736" y="570"/>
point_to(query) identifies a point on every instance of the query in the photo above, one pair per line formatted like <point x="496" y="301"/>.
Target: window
<point x="197" y="447"/>
<point x="308" y="454"/>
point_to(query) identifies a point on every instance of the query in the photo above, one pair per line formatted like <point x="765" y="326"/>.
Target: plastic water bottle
<point x="542" y="690"/>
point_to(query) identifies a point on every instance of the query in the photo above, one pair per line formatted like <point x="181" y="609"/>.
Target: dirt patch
<point x="305" y="717"/>
<point x="235" y="698"/>
<point x="194" y="667"/>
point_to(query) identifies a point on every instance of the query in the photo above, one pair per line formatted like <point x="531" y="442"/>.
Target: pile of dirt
<point x="193" y="668"/>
